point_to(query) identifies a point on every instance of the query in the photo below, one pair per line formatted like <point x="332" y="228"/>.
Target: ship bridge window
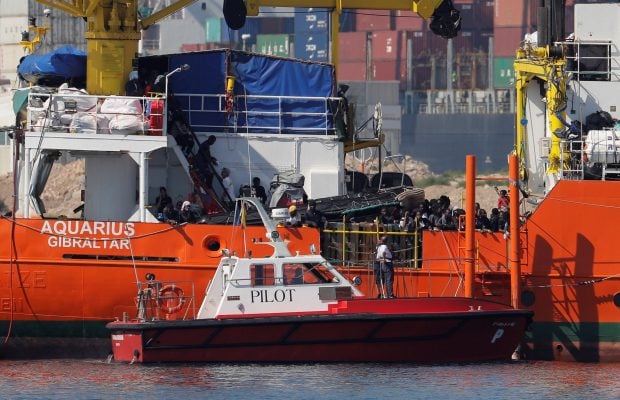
<point x="589" y="62"/>
<point x="262" y="274"/>
<point x="307" y="273"/>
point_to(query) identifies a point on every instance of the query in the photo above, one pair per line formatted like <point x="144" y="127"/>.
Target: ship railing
<point x="497" y="101"/>
<point x="261" y="114"/>
<point x="170" y="300"/>
<point x="572" y="159"/>
<point x="79" y="113"/>
<point x="600" y="153"/>
<point x="590" y="60"/>
<point x="352" y="249"/>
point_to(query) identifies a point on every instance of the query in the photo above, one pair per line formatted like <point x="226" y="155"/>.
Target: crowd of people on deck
<point x="437" y="214"/>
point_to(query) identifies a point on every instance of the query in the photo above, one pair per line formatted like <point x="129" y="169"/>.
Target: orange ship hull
<point x="61" y="281"/>
<point x="569" y="272"/>
<point x="60" y="287"/>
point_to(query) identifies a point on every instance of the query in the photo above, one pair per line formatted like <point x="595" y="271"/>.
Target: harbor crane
<point x="114" y="27"/>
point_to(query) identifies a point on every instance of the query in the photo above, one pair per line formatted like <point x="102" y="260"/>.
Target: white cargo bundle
<point x="603" y="147"/>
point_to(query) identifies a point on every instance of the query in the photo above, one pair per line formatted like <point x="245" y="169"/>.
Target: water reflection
<point x="93" y="379"/>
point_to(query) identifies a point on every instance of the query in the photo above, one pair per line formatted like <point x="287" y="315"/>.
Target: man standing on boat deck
<point x="384" y="270"/>
<point x="227" y="183"/>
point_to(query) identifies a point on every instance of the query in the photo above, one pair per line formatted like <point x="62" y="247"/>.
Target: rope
<point x="582" y="283"/>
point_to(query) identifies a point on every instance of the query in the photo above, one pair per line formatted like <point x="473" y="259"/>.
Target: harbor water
<point x="98" y="379"/>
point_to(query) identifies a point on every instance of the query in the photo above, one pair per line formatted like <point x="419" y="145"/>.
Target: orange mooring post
<point x="515" y="244"/>
<point x="470" y="201"/>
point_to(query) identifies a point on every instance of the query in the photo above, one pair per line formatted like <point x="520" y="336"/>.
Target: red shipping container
<point x="569" y="18"/>
<point x="507" y="40"/>
<point x="352" y="46"/>
<point x="514" y="13"/>
<point x="386" y="45"/>
<point x="419" y="42"/>
<point x="464" y="42"/>
<point x="373" y="20"/>
<point x="408" y="21"/>
<point x="189" y="47"/>
<point x="483" y="12"/>
<point x="437" y="44"/>
<point x="421" y="77"/>
<point x="385" y="70"/>
<point x="468" y="21"/>
<point x="481" y="40"/>
<point x="351" y="71"/>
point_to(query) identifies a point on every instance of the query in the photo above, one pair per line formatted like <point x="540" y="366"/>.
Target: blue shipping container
<point x="312" y="46"/>
<point x="311" y="20"/>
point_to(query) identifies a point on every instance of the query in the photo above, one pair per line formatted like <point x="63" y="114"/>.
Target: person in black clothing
<point x="162" y="200"/>
<point x="187" y="214"/>
<point x="494" y="220"/>
<point x="258" y="190"/>
<point x="313" y="217"/>
<point x="134" y="86"/>
<point x="204" y="160"/>
<point x="482" y="221"/>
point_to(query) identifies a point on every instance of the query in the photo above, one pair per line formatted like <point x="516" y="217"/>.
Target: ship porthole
<point x="528" y="298"/>
<point x="617" y="299"/>
<point x="214" y="245"/>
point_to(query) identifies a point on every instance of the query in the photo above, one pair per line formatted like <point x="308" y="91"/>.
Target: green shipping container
<point x="273" y="45"/>
<point x="503" y="72"/>
<point x="213" y="30"/>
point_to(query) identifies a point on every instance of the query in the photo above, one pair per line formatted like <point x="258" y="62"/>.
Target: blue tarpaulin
<point x="196" y="90"/>
<point x="62" y="64"/>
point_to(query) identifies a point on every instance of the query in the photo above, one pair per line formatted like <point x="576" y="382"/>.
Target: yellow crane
<point x="113" y="30"/>
<point x="114" y="27"/>
<point x="445" y="19"/>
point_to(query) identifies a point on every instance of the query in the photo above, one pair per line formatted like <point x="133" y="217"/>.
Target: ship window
<point x="590" y="62"/>
<point x="262" y="274"/>
<point x="307" y="273"/>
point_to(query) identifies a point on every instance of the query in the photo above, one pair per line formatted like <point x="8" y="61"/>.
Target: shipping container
<point x="213" y="30"/>
<point x="408" y="21"/>
<point x="274" y="45"/>
<point x="483" y="12"/>
<point x="421" y="76"/>
<point x="352" y="46"/>
<point x="276" y="25"/>
<point x="386" y="45"/>
<point x="311" y="20"/>
<point x="419" y="42"/>
<point x="373" y="20"/>
<point x="463" y="42"/>
<point x="514" y="13"/>
<point x="385" y="70"/>
<point x="189" y="47"/>
<point x="503" y="72"/>
<point x="351" y="71"/>
<point x="507" y="40"/>
<point x="481" y="40"/>
<point x="468" y="21"/>
<point x="312" y="46"/>
<point x="436" y="44"/>
<point x="251" y="29"/>
<point x="347" y="21"/>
